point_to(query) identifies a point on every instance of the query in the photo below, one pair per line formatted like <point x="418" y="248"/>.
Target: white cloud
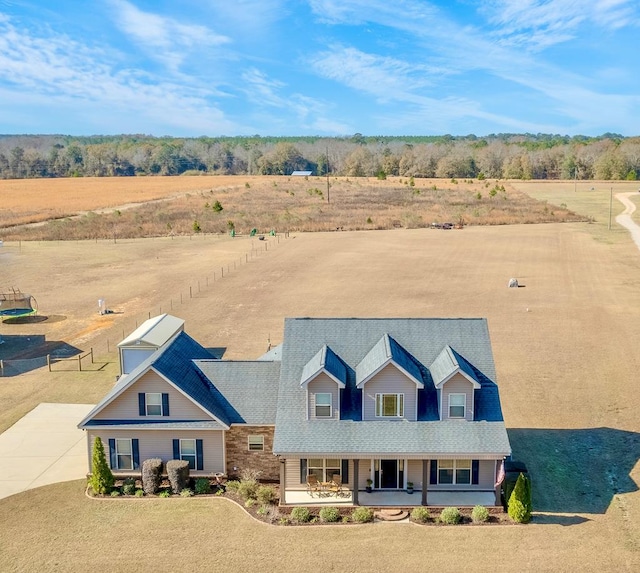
<point x="56" y="71"/>
<point x="164" y="38"/>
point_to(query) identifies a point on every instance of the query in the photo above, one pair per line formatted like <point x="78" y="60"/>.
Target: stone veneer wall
<point x="239" y="455"/>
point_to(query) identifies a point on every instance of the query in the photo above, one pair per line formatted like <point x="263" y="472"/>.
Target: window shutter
<point x="475" y="471"/>
<point x="136" y="453"/>
<point x="176" y="449"/>
<point x="113" y="459"/>
<point x="303" y="471"/>
<point x="165" y="404"/>
<point x="199" y="455"/>
<point x="433" y="471"/>
<point x="345" y="471"/>
<point x="142" y="407"/>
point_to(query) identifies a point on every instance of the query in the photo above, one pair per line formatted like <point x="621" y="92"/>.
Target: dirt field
<point x="565" y="347"/>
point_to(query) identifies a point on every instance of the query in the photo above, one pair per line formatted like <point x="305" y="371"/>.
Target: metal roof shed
<point x="151" y="335"/>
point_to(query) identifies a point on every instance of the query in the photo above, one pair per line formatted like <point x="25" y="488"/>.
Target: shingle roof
<point x="448" y="362"/>
<point x="422" y="340"/>
<point x="325" y="360"/>
<point x="250" y="388"/>
<point x="386" y="351"/>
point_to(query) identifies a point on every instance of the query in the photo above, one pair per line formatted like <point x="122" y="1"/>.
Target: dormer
<point x="389" y="379"/>
<point x="456" y="382"/>
<point x="323" y="377"/>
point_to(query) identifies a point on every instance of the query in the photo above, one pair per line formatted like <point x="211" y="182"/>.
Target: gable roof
<point x="327" y="361"/>
<point x="174" y="362"/>
<point x="415" y="343"/>
<point x="447" y="364"/>
<point x="154" y="332"/>
<point x="249" y="388"/>
<point x="387" y="351"/>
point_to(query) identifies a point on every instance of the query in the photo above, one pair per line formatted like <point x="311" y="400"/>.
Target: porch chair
<point x="336" y="484"/>
<point x="312" y="484"/>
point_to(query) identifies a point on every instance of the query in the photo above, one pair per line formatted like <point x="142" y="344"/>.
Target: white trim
<point x="102" y="405"/>
<point x="464" y="415"/>
<point x="390" y="360"/>
<point x="249" y="448"/>
<point x="315" y="405"/>
<point x="146" y="404"/>
<point x="458" y="370"/>
<point x="454" y="469"/>
<point x="118" y="468"/>
<point x="400" y="402"/>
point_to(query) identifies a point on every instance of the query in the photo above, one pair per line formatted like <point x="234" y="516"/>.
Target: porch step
<point x="391" y="514"/>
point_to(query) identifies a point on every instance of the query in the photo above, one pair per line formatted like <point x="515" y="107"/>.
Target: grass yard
<point x="74" y="533"/>
<point x="566" y="354"/>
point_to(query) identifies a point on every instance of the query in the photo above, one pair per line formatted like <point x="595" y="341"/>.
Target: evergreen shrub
<point x="450" y="515"/>
<point x="300" y="515"/>
<point x="178" y="474"/>
<point x="151" y="475"/>
<point x="480" y="514"/>
<point x="101" y="480"/>
<point x="329" y="514"/>
<point x="362" y="515"/>
<point x="420" y="514"/>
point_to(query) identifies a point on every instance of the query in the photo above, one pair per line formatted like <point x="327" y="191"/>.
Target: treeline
<point x="508" y="156"/>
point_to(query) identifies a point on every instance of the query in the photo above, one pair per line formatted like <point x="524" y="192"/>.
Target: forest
<point x="502" y="156"/>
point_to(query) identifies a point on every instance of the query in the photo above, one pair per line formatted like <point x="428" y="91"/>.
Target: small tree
<point x="151" y="475"/>
<point x="519" y="507"/>
<point x="178" y="474"/>
<point x="101" y="480"/>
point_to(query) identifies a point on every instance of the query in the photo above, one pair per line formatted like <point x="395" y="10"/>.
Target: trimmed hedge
<point x="178" y="474"/>
<point x="151" y="475"/>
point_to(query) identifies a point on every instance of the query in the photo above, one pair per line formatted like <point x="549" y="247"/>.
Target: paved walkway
<point x="43" y="447"/>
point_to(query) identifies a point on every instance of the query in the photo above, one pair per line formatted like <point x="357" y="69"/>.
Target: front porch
<point x="381" y="498"/>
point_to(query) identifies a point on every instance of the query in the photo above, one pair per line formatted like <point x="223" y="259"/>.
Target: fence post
<point x="79" y="362"/>
<point x="92" y="355"/>
<point x="1" y="368"/>
<point x="49" y="362"/>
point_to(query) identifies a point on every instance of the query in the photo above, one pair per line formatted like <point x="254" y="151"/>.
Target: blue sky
<point x="319" y="67"/>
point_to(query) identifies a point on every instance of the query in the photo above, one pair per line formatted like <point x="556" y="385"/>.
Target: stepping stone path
<point x="391" y="514"/>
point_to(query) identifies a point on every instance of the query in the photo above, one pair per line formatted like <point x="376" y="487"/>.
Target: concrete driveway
<point x="43" y="447"/>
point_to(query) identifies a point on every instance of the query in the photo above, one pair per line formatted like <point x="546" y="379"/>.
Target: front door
<point x="389" y="474"/>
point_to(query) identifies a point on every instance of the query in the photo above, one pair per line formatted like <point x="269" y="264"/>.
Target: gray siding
<point x="458" y="384"/>
<point x="324" y="384"/>
<point x="415" y="473"/>
<point x="159" y="444"/>
<point x="125" y="406"/>
<point x="389" y="380"/>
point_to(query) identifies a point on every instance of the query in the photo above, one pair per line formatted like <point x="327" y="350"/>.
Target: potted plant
<point x="409" y="487"/>
<point x="369" y="484"/>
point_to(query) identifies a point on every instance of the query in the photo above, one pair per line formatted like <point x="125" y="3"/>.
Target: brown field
<point x="114" y="208"/>
<point x="565" y="347"/>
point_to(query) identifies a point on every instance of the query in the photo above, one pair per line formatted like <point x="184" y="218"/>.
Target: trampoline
<point x="14" y="304"/>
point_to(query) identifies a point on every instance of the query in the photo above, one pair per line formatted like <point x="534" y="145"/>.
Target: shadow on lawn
<point x="23" y="353"/>
<point x="576" y="470"/>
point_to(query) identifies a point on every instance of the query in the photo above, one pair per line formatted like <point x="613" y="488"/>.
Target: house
<point x="394" y="401"/>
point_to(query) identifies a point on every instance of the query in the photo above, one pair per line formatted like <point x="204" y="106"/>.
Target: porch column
<point x="283" y="480"/>
<point x="499" y="486"/>
<point x="425" y="480"/>
<point x="355" y="482"/>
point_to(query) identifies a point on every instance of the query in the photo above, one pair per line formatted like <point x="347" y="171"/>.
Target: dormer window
<point x="389" y="405"/>
<point x="457" y="405"/>
<point x="323" y="405"/>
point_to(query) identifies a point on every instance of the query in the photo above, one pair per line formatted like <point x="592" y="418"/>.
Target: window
<point x="323" y="405"/>
<point x="389" y="405"/>
<point x="256" y="443"/>
<point x="154" y="404"/>
<point x="457" y="405"/>
<point x="124" y="454"/>
<point x="324" y="469"/>
<point x="188" y="452"/>
<point x="454" y="471"/>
